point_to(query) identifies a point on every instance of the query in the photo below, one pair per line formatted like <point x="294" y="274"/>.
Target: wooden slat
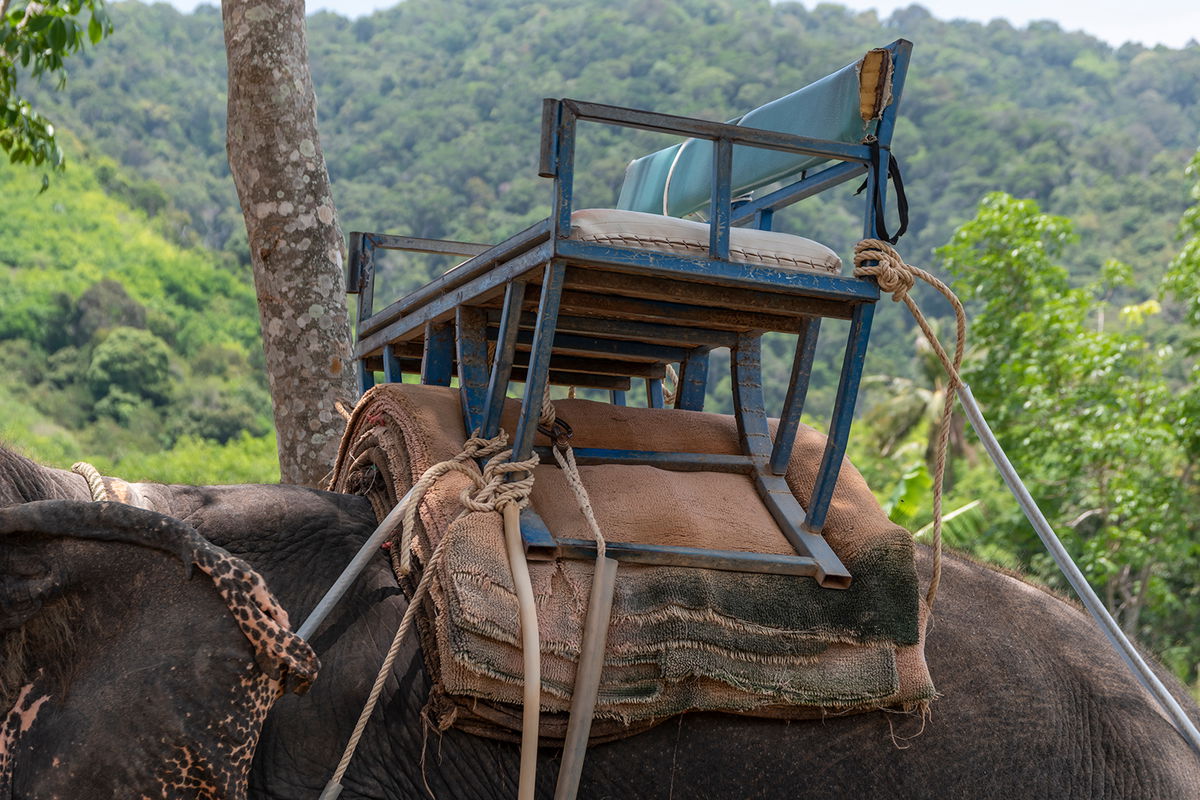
<point x="593" y="280"/>
<point x="579" y="379"/>
<point x="585" y="304"/>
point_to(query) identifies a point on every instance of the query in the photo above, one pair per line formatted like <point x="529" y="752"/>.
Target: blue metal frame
<point x="606" y="314"/>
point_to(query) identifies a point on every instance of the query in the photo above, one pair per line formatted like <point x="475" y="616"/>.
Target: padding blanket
<point x="681" y="639"/>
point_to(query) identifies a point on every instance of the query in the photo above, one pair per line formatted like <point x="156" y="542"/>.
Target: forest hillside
<point x="429" y="116"/>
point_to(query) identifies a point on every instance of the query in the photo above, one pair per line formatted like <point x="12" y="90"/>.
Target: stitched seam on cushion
<point x="683" y="244"/>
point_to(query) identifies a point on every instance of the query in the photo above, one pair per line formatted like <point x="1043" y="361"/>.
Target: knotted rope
<point x="880" y="260"/>
<point x="490" y="491"/>
<point x="564" y="454"/>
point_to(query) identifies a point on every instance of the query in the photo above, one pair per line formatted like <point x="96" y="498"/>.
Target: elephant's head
<point x="119" y="674"/>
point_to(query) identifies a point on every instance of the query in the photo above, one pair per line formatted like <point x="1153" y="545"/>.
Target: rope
<point x="894" y="276"/>
<point x="565" y="456"/>
<point x="880" y="260"/>
<point x="490" y="491"/>
<point x="384" y="671"/>
<point x="669" y="395"/>
<point x="95" y="480"/>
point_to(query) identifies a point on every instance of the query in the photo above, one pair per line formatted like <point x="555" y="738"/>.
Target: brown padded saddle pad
<point x="680" y="639"/>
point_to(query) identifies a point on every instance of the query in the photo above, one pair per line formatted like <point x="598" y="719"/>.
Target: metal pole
<point x="1145" y="676"/>
<point x="587" y="679"/>
<point x="353" y="569"/>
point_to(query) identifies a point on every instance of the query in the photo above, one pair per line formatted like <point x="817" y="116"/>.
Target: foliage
<point x="1086" y="412"/>
<point x="1183" y="277"/>
<point x="131" y="363"/>
<point x="37" y="37"/>
<point x="118" y="346"/>
<point x="429" y="119"/>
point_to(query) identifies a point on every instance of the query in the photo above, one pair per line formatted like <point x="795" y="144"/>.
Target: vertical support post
<point x="392" y="373"/>
<point x="722" y="203"/>
<point x="843" y="415"/>
<point x="471" y="345"/>
<point x="438" y="357"/>
<point x="363" y="275"/>
<point x="361" y="281"/>
<point x="502" y="363"/>
<point x="654" y="393"/>
<point x="793" y="404"/>
<point x="900" y="58"/>
<point x="693" y="381"/>
<point x="538" y="374"/>
<point x="366" y="378"/>
<point x="565" y="172"/>
<point x="547" y="155"/>
<point x="745" y="366"/>
<point x="616" y="397"/>
<point x="764" y="219"/>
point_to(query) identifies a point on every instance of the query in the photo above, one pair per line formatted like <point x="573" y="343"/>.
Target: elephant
<point x="98" y="655"/>
<point x="1033" y="702"/>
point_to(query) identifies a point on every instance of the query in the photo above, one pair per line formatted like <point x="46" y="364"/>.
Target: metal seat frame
<point x="567" y="312"/>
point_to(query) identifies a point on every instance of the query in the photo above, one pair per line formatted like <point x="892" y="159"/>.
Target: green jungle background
<point x="1046" y="171"/>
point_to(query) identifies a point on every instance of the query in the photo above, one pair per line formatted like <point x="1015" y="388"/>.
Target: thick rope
<point x="490" y="491"/>
<point x="95" y="480"/>
<point x="669" y="395"/>
<point x="385" y="669"/>
<point x="880" y="260"/>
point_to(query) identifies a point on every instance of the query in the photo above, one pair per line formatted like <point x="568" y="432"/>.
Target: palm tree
<point x="908" y="404"/>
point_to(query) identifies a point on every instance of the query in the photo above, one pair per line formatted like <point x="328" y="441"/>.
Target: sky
<point x="1150" y="22"/>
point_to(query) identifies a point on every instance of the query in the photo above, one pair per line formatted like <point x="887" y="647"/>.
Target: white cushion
<point x="687" y="238"/>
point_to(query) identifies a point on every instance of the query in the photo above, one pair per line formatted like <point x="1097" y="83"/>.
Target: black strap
<point x="881" y="188"/>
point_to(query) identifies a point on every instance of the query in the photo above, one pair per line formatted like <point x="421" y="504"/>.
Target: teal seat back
<point x="843" y="107"/>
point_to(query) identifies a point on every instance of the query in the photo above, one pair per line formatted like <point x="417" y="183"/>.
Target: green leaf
<point x="57" y="35"/>
<point x="39" y="23"/>
<point x="95" y="30"/>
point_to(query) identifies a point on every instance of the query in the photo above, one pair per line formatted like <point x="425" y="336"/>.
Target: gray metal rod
<point x="353" y="569"/>
<point x="1145" y="676"/>
<point x="587" y="679"/>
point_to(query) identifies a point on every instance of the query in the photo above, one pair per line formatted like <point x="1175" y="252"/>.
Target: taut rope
<point x="491" y="491"/>
<point x="880" y="260"/>
<point x="873" y="257"/>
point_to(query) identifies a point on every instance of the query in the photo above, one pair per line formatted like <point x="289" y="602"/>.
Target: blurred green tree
<point x="130" y="365"/>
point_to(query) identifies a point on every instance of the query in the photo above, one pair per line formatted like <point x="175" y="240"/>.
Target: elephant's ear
<point x="278" y="651"/>
<point x="28" y="580"/>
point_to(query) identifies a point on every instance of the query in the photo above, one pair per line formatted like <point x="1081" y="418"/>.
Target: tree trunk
<point x="295" y="242"/>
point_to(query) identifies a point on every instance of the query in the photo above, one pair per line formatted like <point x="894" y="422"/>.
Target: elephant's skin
<point x="1034" y="702"/>
<point x="123" y="677"/>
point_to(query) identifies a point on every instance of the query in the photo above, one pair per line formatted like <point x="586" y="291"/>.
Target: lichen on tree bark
<point x="295" y="243"/>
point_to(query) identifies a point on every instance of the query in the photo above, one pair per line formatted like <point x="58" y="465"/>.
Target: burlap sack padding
<point x="680" y="639"/>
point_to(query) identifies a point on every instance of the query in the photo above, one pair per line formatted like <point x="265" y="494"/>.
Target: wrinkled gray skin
<point x="1034" y="702"/>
